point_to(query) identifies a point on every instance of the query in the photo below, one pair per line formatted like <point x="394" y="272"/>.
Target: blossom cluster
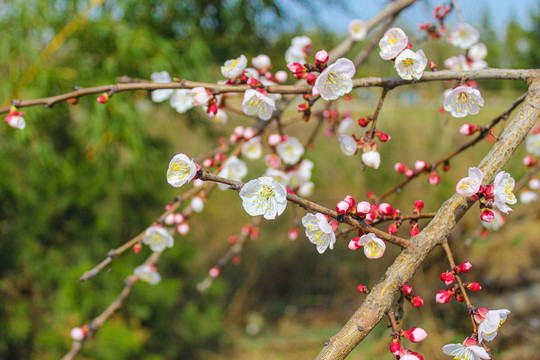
<point x="395" y="46"/>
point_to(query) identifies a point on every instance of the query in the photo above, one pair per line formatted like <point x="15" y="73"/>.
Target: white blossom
<point x="278" y="175"/>
<point x="463" y="100"/>
<point x="527" y="197"/>
<point x="15" y="120"/>
<point x="234" y="67"/>
<point x="281" y="76"/>
<point x="372" y="159"/>
<point x="232" y="169"/>
<point x="392" y="43"/>
<point x="181" y="100"/>
<point x="220" y="117"/>
<point x="197" y="204"/>
<point x="462" y="352"/>
<point x="477" y="52"/>
<point x="487" y="330"/>
<point x="297" y="51"/>
<point x="199" y="96"/>
<point x="319" y="231"/>
<point x="502" y="190"/>
<point x="306" y="189"/>
<point x="264" y="196"/>
<point x="373" y="246"/>
<point x="302" y="174"/>
<point x="347" y="145"/>
<point x="336" y="79"/>
<point x="533" y="144"/>
<point x="255" y="103"/>
<point x="457" y="63"/>
<point x="479" y="65"/>
<point x="181" y="170"/>
<point x="470" y="185"/>
<point x="261" y="62"/>
<point x="163" y="94"/>
<point x="252" y="149"/>
<point x="357" y="30"/>
<point x="251" y="73"/>
<point x="290" y="151"/>
<point x="147" y="274"/>
<point x="410" y="64"/>
<point x="158" y="238"/>
<point x="346" y="126"/>
<point x="463" y="36"/>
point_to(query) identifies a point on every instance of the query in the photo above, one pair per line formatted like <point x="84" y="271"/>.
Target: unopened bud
<point x="417" y="301"/>
<point x="137" y="248"/>
<point x="400" y="168"/>
<point x="103" y="98"/>
<point x="407" y="289"/>
<point x="342" y="207"/>
<point x="465" y="267"/>
<point x="321" y="56"/>
<point x="363" y="207"/>
<point x="420" y="165"/>
<point x="362" y="289"/>
<point x="473" y="286"/>
<point x="353" y="244"/>
<point x="214" y="271"/>
<point x="529" y="160"/>
<point x="293" y="234"/>
<point x="416" y="334"/>
<point x="487" y="215"/>
<point x="434" y="178"/>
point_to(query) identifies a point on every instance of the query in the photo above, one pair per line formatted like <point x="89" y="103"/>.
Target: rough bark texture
<point x="383" y="294"/>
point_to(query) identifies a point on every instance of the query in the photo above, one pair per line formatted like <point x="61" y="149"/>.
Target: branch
<point x="503" y="74"/>
<point x="381" y="297"/>
<point x="309" y="205"/>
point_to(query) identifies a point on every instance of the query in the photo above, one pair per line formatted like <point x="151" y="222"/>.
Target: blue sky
<point x="500" y="12"/>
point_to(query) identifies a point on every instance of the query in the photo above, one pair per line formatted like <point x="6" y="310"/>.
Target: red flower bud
<point x="103" y="98"/>
<point x="395" y="346"/>
<point x="73" y="101"/>
<point x="362" y="289"/>
<point x="137" y="248"/>
<point x="418" y="205"/>
<point x="474" y="286"/>
<point x="386" y="209"/>
<point x="416" y="334"/>
<point x="293" y="234"/>
<point x="434" y="178"/>
<point x="350" y="200"/>
<point x="465" y="267"/>
<point x="400" y="168"/>
<point x="311" y="78"/>
<point x="487" y="215"/>
<point x="407" y="289"/>
<point x="417" y="301"/>
<point x="444" y="296"/>
<point x="392" y="228"/>
<point x="363" y="122"/>
<point x="383" y="137"/>
<point x="342" y="207"/>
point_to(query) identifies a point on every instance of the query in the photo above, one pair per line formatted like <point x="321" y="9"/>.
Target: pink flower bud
<point x="254" y="233"/>
<point x="254" y="82"/>
<point x="169" y="219"/>
<point x="321" y="56"/>
<point x="363" y="207"/>
<point x="418" y="205"/>
<point x="433" y="66"/>
<point x="208" y="162"/>
<point x="214" y="271"/>
<point x="409" y="173"/>
<point x="78" y="333"/>
<point x="239" y="131"/>
<point x="466" y="129"/>
<point x="434" y="178"/>
<point x="459" y="296"/>
<point x="137" y="248"/>
<point x="311" y="78"/>
<point x="465" y="267"/>
<point x="353" y="244"/>
<point x="534" y="184"/>
<point x="232" y="239"/>
<point x="183" y="229"/>
<point x="414" y="231"/>
<point x="103" y="98"/>
<point x="350" y="200"/>
<point x="407" y="289"/>
<point x="444" y="296"/>
<point x="281" y="76"/>
<point x="293" y="234"/>
<point x="474" y="286"/>
<point x="362" y="289"/>
<point x="296" y="68"/>
<point x="179" y="218"/>
<point x="386" y="209"/>
<point x="248" y="133"/>
<point x="487" y="215"/>
<point x="416" y="334"/>
<point x="420" y="165"/>
<point x="274" y="139"/>
<point x="392" y="228"/>
<point x="395" y="346"/>
<point x="246" y="229"/>
<point x="529" y="160"/>
<point x="417" y="301"/>
<point x="400" y="168"/>
<point x="342" y="207"/>
<point x="449" y="279"/>
<point x="302" y="107"/>
<point x="236" y="259"/>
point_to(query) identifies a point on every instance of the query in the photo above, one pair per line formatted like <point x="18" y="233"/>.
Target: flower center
<point x="266" y="192"/>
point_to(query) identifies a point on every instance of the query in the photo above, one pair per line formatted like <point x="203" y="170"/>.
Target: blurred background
<point x="81" y="180"/>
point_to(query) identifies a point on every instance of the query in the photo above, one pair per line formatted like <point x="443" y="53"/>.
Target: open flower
<point x="302" y="174"/>
<point x="264" y="196"/>
<point x="392" y="43"/>
<point x="252" y="149"/>
<point x="410" y="64"/>
<point x="319" y="231"/>
<point x="261" y="62"/>
<point x="527" y="196"/>
<point x="256" y="103"/>
<point x="457" y="63"/>
<point x="181" y="100"/>
<point x="233" y="169"/>
<point x="163" y="94"/>
<point x="200" y="96"/>
<point x="533" y="144"/>
<point x="148" y="273"/>
<point x="357" y="30"/>
<point x="487" y="330"/>
<point x="290" y="150"/>
<point x="336" y="79"/>
<point x="234" y="67"/>
<point x="463" y="100"/>
<point x="470" y="185"/>
<point x="463" y="36"/>
<point x="278" y="175"/>
<point x="373" y="246"/>
<point x="298" y="51"/>
<point x="181" y="170"/>
<point x="462" y="352"/>
<point x="158" y="238"/>
<point x="347" y="126"/>
<point x="348" y="145"/>
<point x="15" y="119"/>
<point x="502" y="190"/>
<point x="477" y="52"/>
